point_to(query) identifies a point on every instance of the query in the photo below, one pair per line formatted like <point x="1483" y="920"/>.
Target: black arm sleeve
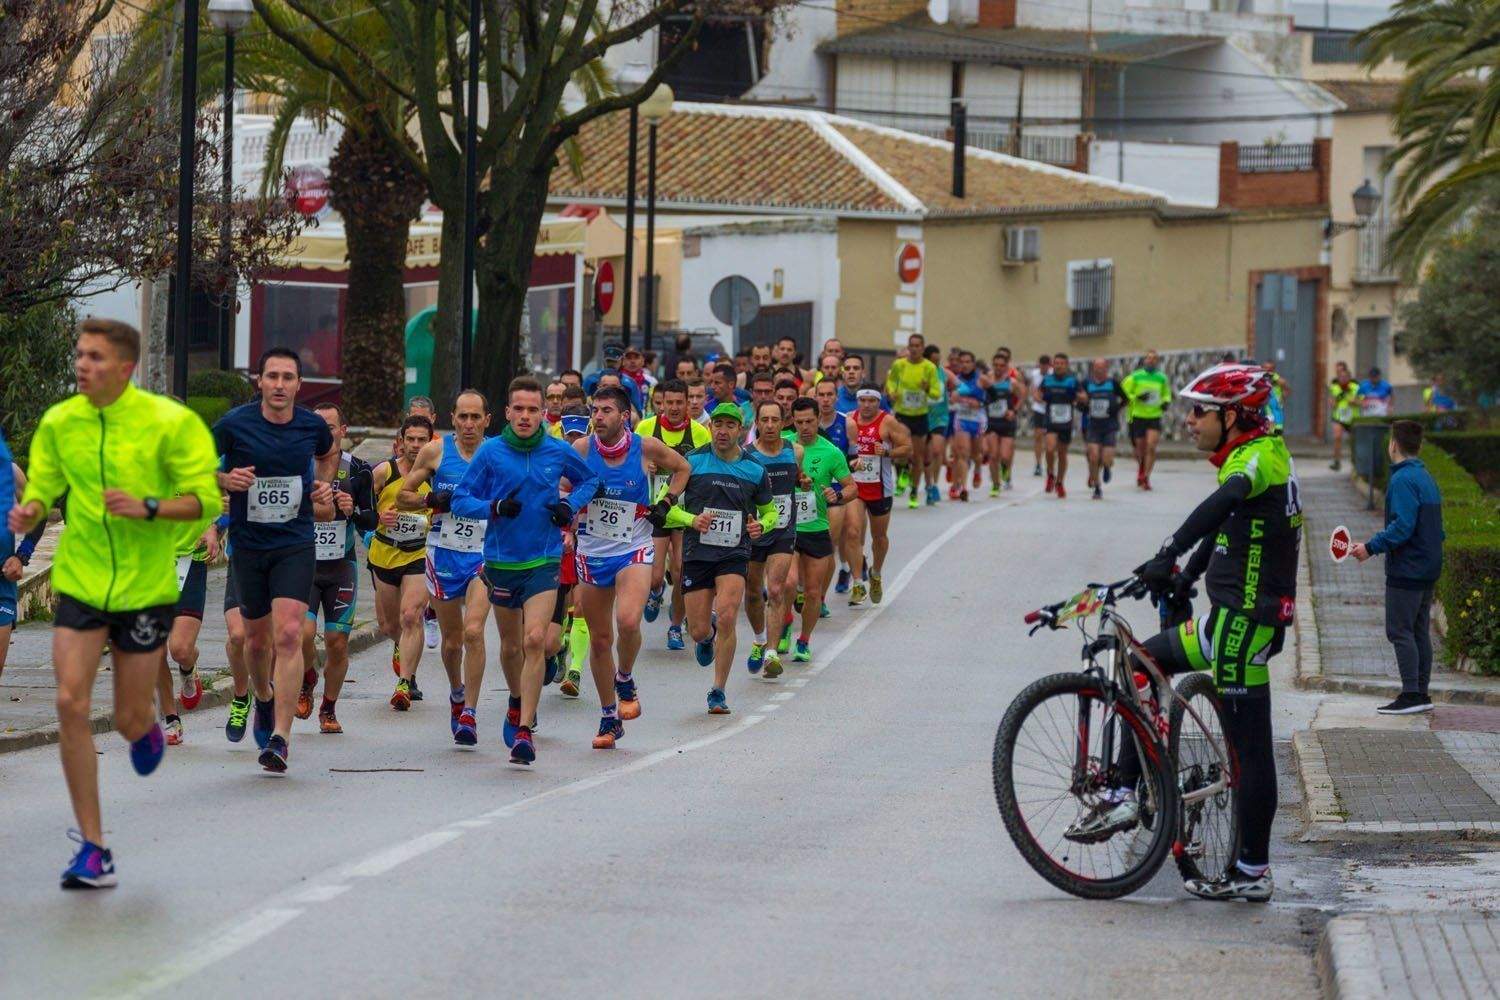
<point x="362" y="488"/>
<point x="1199" y="560"/>
<point x="1211" y="513"/>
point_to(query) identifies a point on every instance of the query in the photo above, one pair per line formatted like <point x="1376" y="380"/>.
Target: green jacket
<point x="144" y="444"/>
<point x="1149" y="393"/>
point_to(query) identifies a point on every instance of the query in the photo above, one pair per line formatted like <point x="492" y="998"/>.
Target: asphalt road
<point x="835" y="836"/>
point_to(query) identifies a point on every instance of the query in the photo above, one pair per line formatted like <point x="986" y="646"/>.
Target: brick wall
<point x="862" y="15"/>
<point x="1273" y="189"/>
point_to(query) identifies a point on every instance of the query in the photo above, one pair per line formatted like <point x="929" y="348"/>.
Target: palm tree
<point x="1447" y="156"/>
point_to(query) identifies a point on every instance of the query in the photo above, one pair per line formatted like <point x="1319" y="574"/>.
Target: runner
<point x="1276" y="404"/>
<point x="13" y="557"/>
<point x="454" y="563"/>
<point x="939" y="428"/>
<point x="784" y="355"/>
<point x="615" y="552"/>
<point x="420" y="406"/>
<point x="556" y="398"/>
<point x="195" y="548"/>
<point x="1059" y="393"/>
<point x="1002" y="405"/>
<point x="268" y="448"/>
<point x="913" y="385"/>
<point x="766" y="592"/>
<point x="852" y="372"/>
<point x="878" y="442"/>
<point x="697" y="395"/>
<point x="568" y="626"/>
<point x="1039" y="415"/>
<point x="1343" y="398"/>
<point x="968" y="424"/>
<point x="828" y="368"/>
<point x="134" y="465"/>
<point x="833" y="426"/>
<point x="513" y="483"/>
<point x="672" y="427"/>
<point x="1149" y="392"/>
<point x="1105" y="398"/>
<point x="335" y="586"/>
<point x="397" y="560"/>
<point x="726" y="507"/>
<point x="823" y="465"/>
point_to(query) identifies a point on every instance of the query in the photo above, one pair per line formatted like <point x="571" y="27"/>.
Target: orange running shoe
<point x="401" y="700"/>
<point x="630" y="702"/>
<point x="610" y="730"/>
<point x="328" y="723"/>
<point x="304" y="703"/>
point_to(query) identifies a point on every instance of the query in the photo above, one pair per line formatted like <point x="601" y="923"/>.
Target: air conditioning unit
<point x="1022" y="244"/>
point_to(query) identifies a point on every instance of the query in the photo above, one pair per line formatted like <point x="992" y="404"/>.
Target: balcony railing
<point x="1058" y="150"/>
<point x="1335" y="47"/>
<point x="1282" y="158"/>
<point x="1370" y="264"/>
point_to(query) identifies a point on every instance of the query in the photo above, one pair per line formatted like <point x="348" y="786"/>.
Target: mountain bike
<point x="1057" y="759"/>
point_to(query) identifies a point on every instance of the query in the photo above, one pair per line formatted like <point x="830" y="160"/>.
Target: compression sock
<point x="610" y="711"/>
<point x="578" y="645"/>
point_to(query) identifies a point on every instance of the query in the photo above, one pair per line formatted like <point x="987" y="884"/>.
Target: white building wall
<point x="1188" y="174"/>
<point x="794" y="71"/>
<point x="909" y="94"/>
<point x="809" y="267"/>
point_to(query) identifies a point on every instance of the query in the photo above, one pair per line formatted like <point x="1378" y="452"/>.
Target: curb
<point x="1320" y="803"/>
<point x="216" y="694"/>
<point x="1348" y="965"/>
<point x="1389" y="689"/>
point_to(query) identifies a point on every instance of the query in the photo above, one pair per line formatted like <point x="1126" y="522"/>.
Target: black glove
<point x="1156" y="573"/>
<point x="509" y="507"/>
<point x="657" y="513"/>
<point x="562" y="514"/>
<point x="1176" y="602"/>
<point x="440" y="501"/>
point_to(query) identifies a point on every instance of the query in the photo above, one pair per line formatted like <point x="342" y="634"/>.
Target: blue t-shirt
<point x="7" y="498"/>
<point x="1375" y="390"/>
<point x="258" y="516"/>
<point x="1059" y="395"/>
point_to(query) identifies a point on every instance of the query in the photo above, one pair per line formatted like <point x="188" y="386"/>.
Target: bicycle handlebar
<point x="1132" y="587"/>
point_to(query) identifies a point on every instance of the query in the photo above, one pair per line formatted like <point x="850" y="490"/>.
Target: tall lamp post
<point x="655" y="110"/>
<point x="229" y="17"/>
<point x="631" y="78"/>
<point x="185" y="169"/>
<point x="471" y="204"/>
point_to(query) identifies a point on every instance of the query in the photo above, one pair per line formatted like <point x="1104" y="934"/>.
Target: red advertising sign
<point x="307" y="190"/>
<point x="909" y="263"/>
<point x="604" y="287"/>
<point x="1339" y="544"/>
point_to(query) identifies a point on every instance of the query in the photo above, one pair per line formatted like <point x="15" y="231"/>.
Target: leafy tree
<point x="1452" y="327"/>
<point x="38" y="342"/>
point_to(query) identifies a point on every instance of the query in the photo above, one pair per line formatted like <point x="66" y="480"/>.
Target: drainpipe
<point x="960" y="144"/>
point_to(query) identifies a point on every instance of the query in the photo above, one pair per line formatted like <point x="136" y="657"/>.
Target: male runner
<point x="697" y="396"/>
<point x="1247" y="533"/>
<point x="1149" y="393"/>
<point x="556" y="398"/>
<point x="878" y="442"/>
<point x="913" y="385"/>
<point x="615" y="552"/>
<point x="1343" y="399"/>
<point x="939" y="427"/>
<point x="673" y="427"/>
<point x="852" y="372"/>
<point x="1059" y="393"/>
<point x="568" y="625"/>
<point x="513" y="483"/>
<point x="1105" y="398"/>
<point x="823" y="465"/>
<point x="1003" y="390"/>
<point x="335" y="586"/>
<point x="134" y="465"/>
<point x="454" y="565"/>
<point x="784" y="355"/>
<point x="726" y="507"/>
<point x="420" y="406"/>
<point x="396" y="556"/>
<point x="195" y="547"/>
<point x="14" y="556"/>
<point x="967" y="399"/>
<point x="1039" y="413"/>
<point x="268" y="448"/>
<point x="828" y="367"/>
<point x="833" y="426"/>
<point x="771" y="554"/>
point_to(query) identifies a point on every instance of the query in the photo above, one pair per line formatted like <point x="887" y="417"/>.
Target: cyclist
<point x="1247" y="534"/>
<point x="1149" y="393"/>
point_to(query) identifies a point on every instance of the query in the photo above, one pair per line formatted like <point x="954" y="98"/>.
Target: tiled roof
<point x="917" y="37"/>
<point x="1363" y="96"/>
<point x="779" y="159"/>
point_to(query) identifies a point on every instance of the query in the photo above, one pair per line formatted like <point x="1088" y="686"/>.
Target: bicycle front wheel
<point x="1207" y="780"/>
<point x="1055" y="761"/>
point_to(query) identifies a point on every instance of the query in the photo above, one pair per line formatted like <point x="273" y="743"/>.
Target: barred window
<point x="1090" y="297"/>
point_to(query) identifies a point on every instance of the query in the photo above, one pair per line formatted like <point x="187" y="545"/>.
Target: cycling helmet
<point x="1243" y="387"/>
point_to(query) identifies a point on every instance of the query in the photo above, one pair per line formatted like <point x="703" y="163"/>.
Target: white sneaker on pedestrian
<point x="430" y="629"/>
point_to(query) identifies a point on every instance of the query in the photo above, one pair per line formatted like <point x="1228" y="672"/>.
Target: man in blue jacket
<point x="1412" y="543"/>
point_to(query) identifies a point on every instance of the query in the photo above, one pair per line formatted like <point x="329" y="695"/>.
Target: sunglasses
<point x="1200" y="411"/>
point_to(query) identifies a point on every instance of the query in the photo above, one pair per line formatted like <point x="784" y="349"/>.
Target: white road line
<point x="784" y="696"/>
<point x="797" y="682"/>
<point x="243" y="932"/>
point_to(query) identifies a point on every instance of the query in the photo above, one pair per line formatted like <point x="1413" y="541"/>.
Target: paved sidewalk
<point x="28" y="713"/>
<point x="1419" y="955"/>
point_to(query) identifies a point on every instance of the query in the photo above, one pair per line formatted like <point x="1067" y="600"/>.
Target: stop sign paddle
<point x="1339" y="544"/>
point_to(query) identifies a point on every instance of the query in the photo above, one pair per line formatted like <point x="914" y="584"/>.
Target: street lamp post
<point x="471" y="204"/>
<point x="654" y="109"/>
<point x="630" y="78"/>
<point x="186" y="136"/>
<point x="1366" y="200"/>
<point x="228" y="16"/>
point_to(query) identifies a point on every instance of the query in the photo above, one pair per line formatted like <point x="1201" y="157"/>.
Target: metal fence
<point x="1057" y="149"/>
<point x="1285" y="157"/>
<point x="1335" y="47"/>
<point x="1092" y="301"/>
<point x="1370" y="263"/>
<point x="999" y="137"/>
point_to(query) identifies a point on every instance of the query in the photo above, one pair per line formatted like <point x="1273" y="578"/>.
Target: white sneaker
<point x="430" y="629"/>
<point x="1104" y="821"/>
<point x="1234" y="884"/>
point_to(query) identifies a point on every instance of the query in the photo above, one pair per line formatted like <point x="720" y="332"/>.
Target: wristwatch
<point x="152" y="505"/>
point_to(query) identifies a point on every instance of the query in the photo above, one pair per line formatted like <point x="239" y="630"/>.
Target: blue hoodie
<point x="531" y="476"/>
<point x="1412" y="540"/>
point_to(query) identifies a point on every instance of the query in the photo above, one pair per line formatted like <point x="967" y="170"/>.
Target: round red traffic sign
<point x="604" y="287"/>
<point x="1339" y="543"/>
<point x="909" y="263"/>
<point x="307" y="190"/>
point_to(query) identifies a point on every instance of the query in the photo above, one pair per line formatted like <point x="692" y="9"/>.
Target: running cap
<point x="727" y="411"/>
<point x="575" y="423"/>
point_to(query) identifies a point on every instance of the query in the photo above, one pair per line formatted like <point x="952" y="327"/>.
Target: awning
<point x="917" y="37"/>
<point x="324" y="247"/>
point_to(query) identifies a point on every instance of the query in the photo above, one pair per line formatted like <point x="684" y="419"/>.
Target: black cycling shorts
<point x="917" y="426"/>
<point x="879" y="508"/>
<point x="263" y="576"/>
<point x="564" y="598"/>
<point x="1005" y="427"/>
<point x="194" y="594"/>
<point x="231" y="592"/>
<point x="1140" y="425"/>
<point x="701" y="574"/>
<point x="1063" y="432"/>
<point x="815" y="544"/>
<point x="780" y="547"/>
<point x="1102" y="433"/>
<point x="143" y="631"/>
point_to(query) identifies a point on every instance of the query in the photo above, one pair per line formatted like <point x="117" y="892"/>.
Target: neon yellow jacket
<point x="144" y="444"/>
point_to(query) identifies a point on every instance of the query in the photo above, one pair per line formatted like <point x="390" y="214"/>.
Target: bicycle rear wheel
<point x="1049" y="770"/>
<point x="1209" y="839"/>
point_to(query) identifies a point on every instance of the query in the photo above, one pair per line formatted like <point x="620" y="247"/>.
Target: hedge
<point x="1478" y="451"/>
<point x="1470" y="586"/>
<point x="210" y="408"/>
<point x="228" y="385"/>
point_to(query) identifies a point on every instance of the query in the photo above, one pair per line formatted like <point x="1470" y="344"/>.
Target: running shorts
<point x="393" y="577"/>
<point x="1003" y="427"/>
<point x="600" y="571"/>
<point x="194" y="594"/>
<point x="969" y="424"/>
<point x="9" y="598"/>
<point x="261" y="576"/>
<point x="815" y="544"/>
<point x="701" y="574"/>
<point x="1064" y="432"/>
<point x="450" y="580"/>
<point x="1102" y="432"/>
<point x="917" y="425"/>
<point x="879" y="508"/>
<point x="782" y="546"/>
<point x="1038" y="420"/>
<point x="334" y="589"/>
<point x="231" y="592"/>
<point x="512" y="588"/>
<point x="143" y="631"/>
<point x="1140" y="425"/>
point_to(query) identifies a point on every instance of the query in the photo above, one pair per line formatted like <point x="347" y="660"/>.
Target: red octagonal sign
<point x="307" y="190"/>
<point x="604" y="287"/>
<point x="1339" y="543"/>
<point x="909" y="263"/>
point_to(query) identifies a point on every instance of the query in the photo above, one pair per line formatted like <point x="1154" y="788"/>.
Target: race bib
<point x="807" y="508"/>
<point x="1060" y="413"/>
<point x="999" y="408"/>
<point x="408" y="528"/>
<point x="274" y="499"/>
<point x="914" y="399"/>
<point x="783" y="509"/>
<point x="866" y="469"/>
<point x="724" y="528"/>
<point x="329" y="538"/>
<point x="461" y="534"/>
<point x="184" y="566"/>
<point x="1099" y="407"/>
<point x="610" y="519"/>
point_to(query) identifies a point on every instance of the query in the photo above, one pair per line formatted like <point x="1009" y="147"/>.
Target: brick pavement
<point x="1405" y="777"/>
<point x="1350" y="596"/>
<point x="1449" y="956"/>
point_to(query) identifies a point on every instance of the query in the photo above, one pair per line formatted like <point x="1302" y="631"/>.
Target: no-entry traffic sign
<point x="909" y="263"/>
<point x="1339" y="544"/>
<point x="604" y="287"/>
